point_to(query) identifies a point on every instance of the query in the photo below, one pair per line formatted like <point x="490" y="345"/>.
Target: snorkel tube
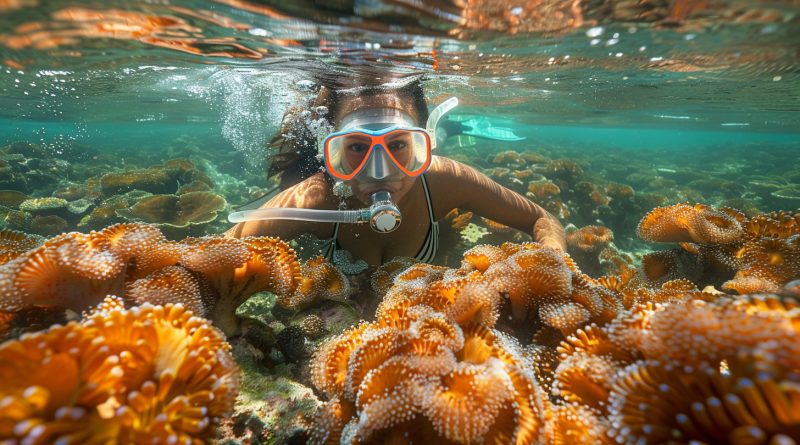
<point x="436" y="115"/>
<point x="383" y="215"/>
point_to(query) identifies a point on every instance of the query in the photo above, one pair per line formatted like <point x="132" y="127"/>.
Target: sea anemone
<point x="686" y="223"/>
<point x="713" y="370"/>
<point x="211" y="275"/>
<point x="320" y="281"/>
<point x="148" y="374"/>
<point x="430" y="380"/>
<point x="237" y="269"/>
<point x="760" y="254"/>
<point x="72" y="271"/>
<point x="14" y="244"/>
<point x="766" y="264"/>
<point x="590" y="238"/>
<point x="656" y="402"/>
<point x="173" y="284"/>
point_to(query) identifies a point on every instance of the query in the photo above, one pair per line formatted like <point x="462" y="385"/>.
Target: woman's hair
<point x="294" y="154"/>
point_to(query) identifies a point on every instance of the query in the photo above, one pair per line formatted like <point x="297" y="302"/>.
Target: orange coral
<point x="590" y="238"/>
<point x="685" y="223"/>
<point x="619" y="192"/>
<point x="461" y="221"/>
<point x="575" y="424"/>
<point x="763" y="252"/>
<point x="383" y="276"/>
<point x="655" y="402"/>
<point x="14" y="244"/>
<point x="173" y="284"/>
<point x="621" y="374"/>
<point x="425" y="379"/>
<point x="588" y="191"/>
<point x="719" y="371"/>
<point x="540" y="283"/>
<point x="320" y="281"/>
<point x="71" y="270"/>
<point x="508" y="157"/>
<point x="215" y="275"/>
<point x="766" y="264"/>
<point x="237" y="269"/>
<point x="149" y="374"/>
<point x="542" y="190"/>
<point x="495" y="226"/>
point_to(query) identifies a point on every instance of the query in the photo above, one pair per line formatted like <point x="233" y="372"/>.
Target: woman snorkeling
<point x="379" y="170"/>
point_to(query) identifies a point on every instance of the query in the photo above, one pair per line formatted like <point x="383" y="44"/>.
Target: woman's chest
<point x="376" y="248"/>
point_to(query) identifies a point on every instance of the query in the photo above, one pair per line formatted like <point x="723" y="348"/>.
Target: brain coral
<point x="152" y="374"/>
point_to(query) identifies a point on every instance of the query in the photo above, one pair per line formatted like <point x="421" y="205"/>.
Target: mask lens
<point x="347" y="153"/>
<point x="410" y="150"/>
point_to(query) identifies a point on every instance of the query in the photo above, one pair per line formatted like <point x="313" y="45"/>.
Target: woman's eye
<point x="397" y="145"/>
<point x="358" y="147"/>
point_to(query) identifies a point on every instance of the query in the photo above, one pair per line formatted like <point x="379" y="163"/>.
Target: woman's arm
<point x="468" y="189"/>
<point x="312" y="193"/>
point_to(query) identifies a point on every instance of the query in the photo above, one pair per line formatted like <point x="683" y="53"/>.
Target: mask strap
<point x="436" y="115"/>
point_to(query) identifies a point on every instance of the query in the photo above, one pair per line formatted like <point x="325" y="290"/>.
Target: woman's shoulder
<point x="312" y="192"/>
<point x="449" y="171"/>
<point x="442" y="167"/>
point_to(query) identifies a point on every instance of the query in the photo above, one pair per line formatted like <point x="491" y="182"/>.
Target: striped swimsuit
<point x="428" y="250"/>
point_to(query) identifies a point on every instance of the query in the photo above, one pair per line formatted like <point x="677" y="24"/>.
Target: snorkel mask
<point x="381" y="142"/>
<point x="376" y="143"/>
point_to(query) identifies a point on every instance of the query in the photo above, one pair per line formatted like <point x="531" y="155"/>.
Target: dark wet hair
<point x="293" y="152"/>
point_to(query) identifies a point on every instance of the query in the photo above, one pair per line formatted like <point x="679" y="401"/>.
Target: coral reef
<point x="705" y="371"/>
<point x="681" y="353"/>
<point x="513" y="343"/>
<point x="96" y="193"/>
<point x="211" y="275"/>
<point x="144" y="375"/>
<point x="723" y="247"/>
<point x="418" y="376"/>
<point x="192" y="208"/>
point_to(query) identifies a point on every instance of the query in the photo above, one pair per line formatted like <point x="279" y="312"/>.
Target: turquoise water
<point x="639" y="96"/>
<point x="162" y="112"/>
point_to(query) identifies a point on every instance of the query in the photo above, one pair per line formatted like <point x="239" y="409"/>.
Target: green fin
<point x="482" y="128"/>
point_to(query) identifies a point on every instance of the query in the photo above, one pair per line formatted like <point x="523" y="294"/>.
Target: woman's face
<point x="397" y="183"/>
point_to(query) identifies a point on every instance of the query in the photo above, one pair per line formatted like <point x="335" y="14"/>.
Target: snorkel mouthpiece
<point x="383" y="215"/>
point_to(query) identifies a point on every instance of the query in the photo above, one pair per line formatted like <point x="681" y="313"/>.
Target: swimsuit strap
<point x="429" y="247"/>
